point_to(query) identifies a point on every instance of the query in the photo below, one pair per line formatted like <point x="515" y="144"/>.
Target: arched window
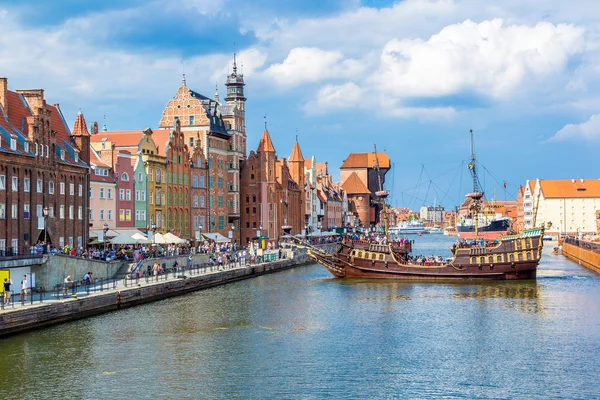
<point x="124" y="177"/>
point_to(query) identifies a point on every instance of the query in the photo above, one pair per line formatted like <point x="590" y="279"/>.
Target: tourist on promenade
<point x="156" y="270"/>
<point x="23" y="296"/>
<point x="68" y="281"/>
<point x="7" y="283"/>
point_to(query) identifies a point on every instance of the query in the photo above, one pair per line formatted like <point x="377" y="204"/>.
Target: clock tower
<point x="235" y="88"/>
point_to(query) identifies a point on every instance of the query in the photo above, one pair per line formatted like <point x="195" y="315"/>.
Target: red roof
<point x="575" y="188"/>
<point x="266" y="144"/>
<point x="366" y="160"/>
<point x="353" y="185"/>
<point x="296" y="155"/>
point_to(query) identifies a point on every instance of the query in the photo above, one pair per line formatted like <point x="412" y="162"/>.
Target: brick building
<point x="220" y="128"/>
<point x="370" y="169"/>
<point x="271" y="199"/>
<point x="41" y="169"/>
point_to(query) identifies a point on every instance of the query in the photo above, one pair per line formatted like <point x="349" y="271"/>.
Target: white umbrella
<point x="169" y="237"/>
<point x="159" y="239"/>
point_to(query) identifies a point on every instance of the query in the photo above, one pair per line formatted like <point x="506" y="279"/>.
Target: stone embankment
<point x="129" y="293"/>
<point x="582" y="252"/>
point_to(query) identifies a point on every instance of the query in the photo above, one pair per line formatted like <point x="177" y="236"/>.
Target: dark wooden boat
<point x="513" y="257"/>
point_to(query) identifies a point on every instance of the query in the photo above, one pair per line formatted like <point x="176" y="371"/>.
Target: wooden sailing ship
<point x="509" y="257"/>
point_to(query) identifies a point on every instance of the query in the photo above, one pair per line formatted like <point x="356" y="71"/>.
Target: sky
<point x="412" y="77"/>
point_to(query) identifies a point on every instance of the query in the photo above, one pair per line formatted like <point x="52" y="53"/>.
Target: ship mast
<point x="476" y="195"/>
<point x="381" y="194"/>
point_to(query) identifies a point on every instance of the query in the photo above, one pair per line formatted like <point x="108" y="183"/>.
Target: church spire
<point x="266" y="144"/>
<point x="296" y="155"/>
<point x="80" y="127"/>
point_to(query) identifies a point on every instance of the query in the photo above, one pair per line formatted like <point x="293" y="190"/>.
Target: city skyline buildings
<point x="353" y="82"/>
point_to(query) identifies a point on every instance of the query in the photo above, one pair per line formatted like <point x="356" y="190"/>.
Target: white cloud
<point x="310" y="64"/>
<point x="331" y="97"/>
<point x="588" y="131"/>
<point x="488" y="58"/>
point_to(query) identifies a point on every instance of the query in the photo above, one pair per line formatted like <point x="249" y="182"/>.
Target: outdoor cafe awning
<point x="216" y="237"/>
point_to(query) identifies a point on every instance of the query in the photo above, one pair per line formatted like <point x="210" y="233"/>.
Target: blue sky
<point x="411" y="76"/>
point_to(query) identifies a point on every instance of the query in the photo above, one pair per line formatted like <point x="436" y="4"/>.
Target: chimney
<point x="572" y="180"/>
<point x="3" y="94"/>
<point x="581" y="180"/>
<point x="35" y="99"/>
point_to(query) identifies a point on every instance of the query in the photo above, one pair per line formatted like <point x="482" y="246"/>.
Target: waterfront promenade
<point x="80" y="300"/>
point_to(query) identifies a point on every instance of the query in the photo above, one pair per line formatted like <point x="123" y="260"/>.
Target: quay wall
<point x="586" y="257"/>
<point x="42" y="315"/>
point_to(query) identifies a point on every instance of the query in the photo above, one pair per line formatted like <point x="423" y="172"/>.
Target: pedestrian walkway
<point x="103" y="286"/>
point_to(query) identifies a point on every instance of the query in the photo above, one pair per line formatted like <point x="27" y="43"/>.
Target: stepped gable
<point x="354" y="185"/>
<point x="266" y="144"/>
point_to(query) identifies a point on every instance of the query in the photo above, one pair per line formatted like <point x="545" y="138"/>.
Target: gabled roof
<point x="366" y="160"/>
<point x="353" y="185"/>
<point x="574" y="188"/>
<point x="63" y="135"/>
<point x="80" y="127"/>
<point x="296" y="155"/>
<point x="266" y="144"/>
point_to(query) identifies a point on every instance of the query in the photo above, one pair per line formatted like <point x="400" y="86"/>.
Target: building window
<point x="72" y="189"/>
<point x="40" y="185"/>
<point x="109" y="215"/>
<point x="195" y="201"/>
<point x="211" y="182"/>
<point x="102" y="215"/>
<point x="13" y="144"/>
<point x="202" y="205"/>
<point x="191" y="123"/>
<point x="195" y="184"/>
<point x="121" y="194"/>
<point x="15" y="184"/>
<point x="79" y="241"/>
<point x="220" y="201"/>
<point x="2" y="182"/>
<point x="2" y="211"/>
<point x="199" y="162"/>
<point x="128" y="195"/>
<point x="14" y="211"/>
<point x="80" y="190"/>
<point x="220" y="183"/>
<point x="121" y="215"/>
<point x="51" y="187"/>
<point x="109" y="193"/>
<point x="80" y="212"/>
<point x="124" y="176"/>
<point x="26" y="211"/>
<point x="61" y="188"/>
<point x="128" y="215"/>
<point x="143" y="192"/>
<point x="26" y="184"/>
<point x="202" y="183"/>
<point x="61" y="212"/>
<point x="61" y="242"/>
<point x="221" y="222"/>
<point x="71" y="212"/>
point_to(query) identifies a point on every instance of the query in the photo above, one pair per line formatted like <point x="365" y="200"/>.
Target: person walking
<point x="156" y="270"/>
<point x="67" y="282"/>
<point x="7" y="283"/>
<point x="24" y="289"/>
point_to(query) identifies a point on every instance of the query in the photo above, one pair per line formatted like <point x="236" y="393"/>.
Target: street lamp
<point x="105" y="230"/>
<point x="45" y="212"/>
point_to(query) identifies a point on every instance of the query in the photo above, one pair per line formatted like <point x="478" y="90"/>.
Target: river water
<point x="302" y="334"/>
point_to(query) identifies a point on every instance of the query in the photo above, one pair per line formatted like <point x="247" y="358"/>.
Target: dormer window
<point x="13" y="144"/>
<point x="62" y="154"/>
<point x="47" y="152"/>
<point x="76" y="157"/>
<point x="26" y="146"/>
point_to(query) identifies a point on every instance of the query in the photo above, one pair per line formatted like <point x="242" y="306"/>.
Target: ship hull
<point x="493" y="230"/>
<point x="513" y="258"/>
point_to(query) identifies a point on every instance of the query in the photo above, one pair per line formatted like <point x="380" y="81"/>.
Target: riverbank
<point x="132" y="292"/>
<point x="584" y="253"/>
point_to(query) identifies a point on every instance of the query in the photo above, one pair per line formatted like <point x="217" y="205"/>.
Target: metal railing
<point x="595" y="247"/>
